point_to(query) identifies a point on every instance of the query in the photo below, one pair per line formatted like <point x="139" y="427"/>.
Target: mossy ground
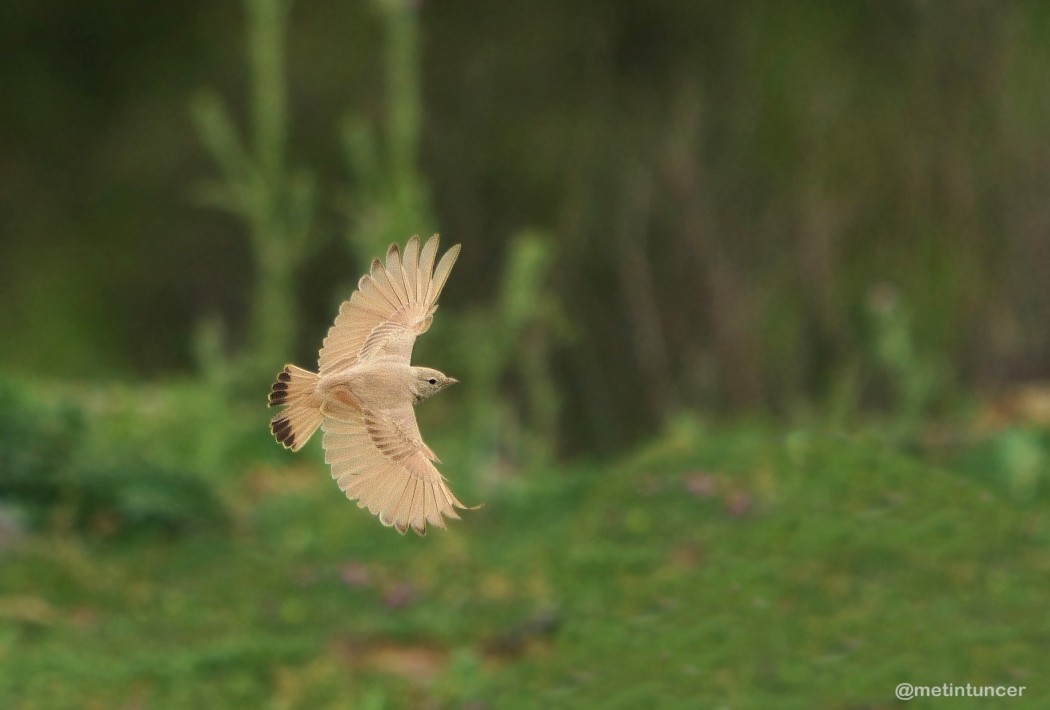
<point x="740" y="568"/>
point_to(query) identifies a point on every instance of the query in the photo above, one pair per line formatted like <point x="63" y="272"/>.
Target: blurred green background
<point x="751" y="317"/>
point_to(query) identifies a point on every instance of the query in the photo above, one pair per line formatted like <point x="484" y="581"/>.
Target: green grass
<point x="738" y="569"/>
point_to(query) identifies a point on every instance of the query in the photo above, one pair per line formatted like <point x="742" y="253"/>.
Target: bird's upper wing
<point x="379" y="459"/>
<point x="393" y="304"/>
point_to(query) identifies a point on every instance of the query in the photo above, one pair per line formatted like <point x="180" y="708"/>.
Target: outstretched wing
<point x="380" y="460"/>
<point x="393" y="304"/>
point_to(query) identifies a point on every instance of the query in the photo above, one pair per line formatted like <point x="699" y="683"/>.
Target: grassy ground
<point x="737" y="569"/>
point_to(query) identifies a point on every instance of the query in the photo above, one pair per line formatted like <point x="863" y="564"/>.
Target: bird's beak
<point x="452" y="380"/>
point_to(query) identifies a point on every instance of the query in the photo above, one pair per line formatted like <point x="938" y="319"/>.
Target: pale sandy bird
<point x="363" y="395"/>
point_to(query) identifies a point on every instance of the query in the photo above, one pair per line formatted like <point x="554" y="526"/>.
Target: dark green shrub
<point x="126" y="497"/>
<point x="47" y="475"/>
<point x="37" y="444"/>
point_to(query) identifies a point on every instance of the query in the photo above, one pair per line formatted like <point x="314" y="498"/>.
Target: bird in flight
<point x="363" y="394"/>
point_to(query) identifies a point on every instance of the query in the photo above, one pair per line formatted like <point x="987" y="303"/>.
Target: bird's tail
<point x="294" y="389"/>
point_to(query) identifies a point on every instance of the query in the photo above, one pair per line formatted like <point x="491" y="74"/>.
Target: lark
<point x="365" y="390"/>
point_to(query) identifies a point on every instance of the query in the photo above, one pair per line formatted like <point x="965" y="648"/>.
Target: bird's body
<point x="383" y="384"/>
<point x="364" y="393"/>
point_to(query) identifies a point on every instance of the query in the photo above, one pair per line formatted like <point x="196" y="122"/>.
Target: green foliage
<point x="275" y="203"/>
<point x="506" y="352"/>
<point x="725" y="184"/>
<point x="66" y="469"/>
<point x="512" y="339"/>
<point x="1015" y="460"/>
<point x="387" y="199"/>
<point x="915" y="379"/>
<point x="712" y="191"/>
<point x="129" y="497"/>
<point x="716" y="567"/>
<point x="37" y="447"/>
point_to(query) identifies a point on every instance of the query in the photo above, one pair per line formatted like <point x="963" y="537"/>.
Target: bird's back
<point x="376" y="385"/>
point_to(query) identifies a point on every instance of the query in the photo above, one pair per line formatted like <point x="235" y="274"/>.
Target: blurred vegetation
<point x="275" y="204"/>
<point x="724" y="187"/>
<point x="821" y="222"/>
<point x="736" y="567"/>
<point x="387" y="198"/>
<point x="61" y="471"/>
<point x="510" y="344"/>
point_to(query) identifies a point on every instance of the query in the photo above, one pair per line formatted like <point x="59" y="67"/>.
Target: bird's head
<point x="428" y="382"/>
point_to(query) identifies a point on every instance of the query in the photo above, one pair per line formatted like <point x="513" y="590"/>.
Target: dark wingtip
<point x="284" y="376"/>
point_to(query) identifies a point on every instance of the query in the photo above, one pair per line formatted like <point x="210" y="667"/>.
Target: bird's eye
<point x="432" y="381"/>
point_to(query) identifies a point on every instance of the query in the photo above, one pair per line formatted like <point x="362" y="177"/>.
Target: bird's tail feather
<point x="294" y="389"/>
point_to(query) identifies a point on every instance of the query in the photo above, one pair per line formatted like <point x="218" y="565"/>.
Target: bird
<point x="363" y="395"/>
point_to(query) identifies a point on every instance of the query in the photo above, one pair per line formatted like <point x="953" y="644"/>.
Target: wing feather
<point x="379" y="459"/>
<point x="393" y="304"/>
<point x="427" y="257"/>
<point x="410" y="268"/>
<point x="433" y="515"/>
<point x="441" y="272"/>
<point x="394" y="272"/>
<point x="384" y="282"/>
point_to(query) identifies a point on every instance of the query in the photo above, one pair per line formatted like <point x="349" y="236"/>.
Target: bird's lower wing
<point x="377" y="461"/>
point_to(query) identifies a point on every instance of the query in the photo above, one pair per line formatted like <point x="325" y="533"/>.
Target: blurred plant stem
<point x="513" y="343"/>
<point x="915" y="380"/>
<point x="256" y="184"/>
<point x="388" y="199"/>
